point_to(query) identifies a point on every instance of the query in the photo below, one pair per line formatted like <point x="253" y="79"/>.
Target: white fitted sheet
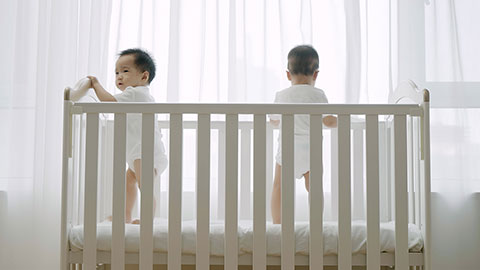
<point x="245" y="237"/>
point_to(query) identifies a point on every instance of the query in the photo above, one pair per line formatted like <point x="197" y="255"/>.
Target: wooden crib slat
<point x="288" y="193"/>
<point x="259" y="192"/>
<point x="118" y="204"/>
<point x="344" y="195"/>
<point x="104" y="167"/>
<point x="245" y="153"/>
<point x="270" y="165"/>
<point x="175" y="193"/>
<point x="373" y="193"/>
<point x="221" y="174"/>
<point x="358" y="193"/>
<point x="316" y="193"/>
<point x="81" y="166"/>
<point x="416" y="158"/>
<point x="202" y="258"/>
<point x="410" y="165"/>
<point x="401" y="203"/>
<point x="382" y="141"/>
<point x="76" y="168"/>
<point x="146" y="189"/>
<point x="231" y="193"/>
<point x="334" y="172"/>
<point x="90" y="213"/>
<point x="390" y="168"/>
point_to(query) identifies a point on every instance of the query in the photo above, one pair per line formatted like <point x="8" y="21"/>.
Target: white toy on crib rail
<point x="81" y="89"/>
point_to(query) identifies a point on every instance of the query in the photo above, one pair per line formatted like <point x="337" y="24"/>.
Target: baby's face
<point x="127" y="74"/>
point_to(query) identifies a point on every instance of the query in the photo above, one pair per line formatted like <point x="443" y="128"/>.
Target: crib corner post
<point x="426" y="226"/>
<point x="66" y="94"/>
<point x="67" y="153"/>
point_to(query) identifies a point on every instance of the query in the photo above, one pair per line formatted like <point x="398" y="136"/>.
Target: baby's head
<point x="302" y="64"/>
<point x="134" y="67"/>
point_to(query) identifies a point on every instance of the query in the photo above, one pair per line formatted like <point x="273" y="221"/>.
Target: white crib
<point x="380" y="152"/>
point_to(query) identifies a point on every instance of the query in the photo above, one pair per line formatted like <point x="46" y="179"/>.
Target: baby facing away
<point x="134" y="71"/>
<point x="302" y="72"/>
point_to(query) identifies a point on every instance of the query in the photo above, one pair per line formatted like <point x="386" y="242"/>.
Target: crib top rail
<point x="252" y="108"/>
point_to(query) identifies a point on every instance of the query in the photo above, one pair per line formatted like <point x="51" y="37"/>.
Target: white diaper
<point x="134" y="144"/>
<point x="160" y="160"/>
<point x="302" y="155"/>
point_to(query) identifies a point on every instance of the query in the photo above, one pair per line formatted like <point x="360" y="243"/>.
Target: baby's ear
<point x="315" y="74"/>
<point x="289" y="76"/>
<point x="145" y="76"/>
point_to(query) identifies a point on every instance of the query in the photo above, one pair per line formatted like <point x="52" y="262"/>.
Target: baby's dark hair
<point x="302" y="60"/>
<point x="143" y="61"/>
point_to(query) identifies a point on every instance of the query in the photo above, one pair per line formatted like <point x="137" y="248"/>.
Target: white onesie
<point x="134" y="129"/>
<point x="301" y="93"/>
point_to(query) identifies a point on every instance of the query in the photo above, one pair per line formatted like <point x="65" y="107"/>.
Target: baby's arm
<point x="102" y="94"/>
<point x="330" y="121"/>
<point x="274" y="122"/>
<point x="274" y="119"/>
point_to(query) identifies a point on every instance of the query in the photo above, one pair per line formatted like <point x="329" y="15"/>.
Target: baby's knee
<point x="277" y="184"/>
<point x="131" y="179"/>
<point x="131" y="182"/>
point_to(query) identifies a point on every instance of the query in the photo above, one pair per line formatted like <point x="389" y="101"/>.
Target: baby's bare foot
<point x="135" y="221"/>
<point x="127" y="221"/>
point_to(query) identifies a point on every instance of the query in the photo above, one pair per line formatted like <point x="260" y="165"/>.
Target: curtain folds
<point x="49" y="44"/>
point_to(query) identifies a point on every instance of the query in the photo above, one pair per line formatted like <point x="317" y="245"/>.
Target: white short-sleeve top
<point x="134" y="129"/>
<point x="300" y="93"/>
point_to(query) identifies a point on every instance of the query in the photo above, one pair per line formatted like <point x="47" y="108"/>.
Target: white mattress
<point x="245" y="237"/>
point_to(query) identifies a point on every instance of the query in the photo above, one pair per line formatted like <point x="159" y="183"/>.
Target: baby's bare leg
<point x="138" y="173"/>
<point x="307" y="187"/>
<point x="307" y="181"/>
<point x="131" y="195"/>
<point x="277" y="196"/>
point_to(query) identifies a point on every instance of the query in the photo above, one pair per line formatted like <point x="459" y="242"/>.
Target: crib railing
<point x="105" y="170"/>
<point x="217" y="127"/>
<point x="396" y="165"/>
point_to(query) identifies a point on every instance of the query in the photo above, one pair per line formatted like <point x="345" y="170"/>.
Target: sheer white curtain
<point x="452" y="42"/>
<point x="46" y="46"/>
<point x="206" y="51"/>
<point x="235" y="51"/>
